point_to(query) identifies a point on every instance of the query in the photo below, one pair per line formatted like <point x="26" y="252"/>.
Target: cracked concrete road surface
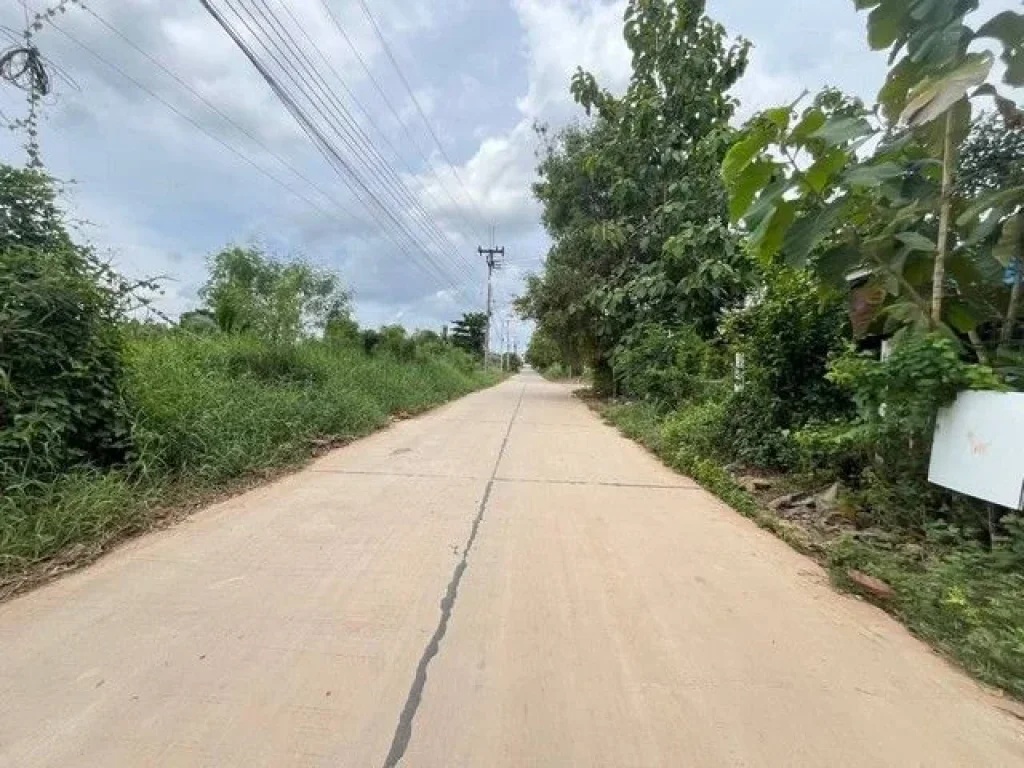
<point x="503" y="582"/>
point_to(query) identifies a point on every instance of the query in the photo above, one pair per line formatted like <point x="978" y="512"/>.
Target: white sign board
<point x="979" y="447"/>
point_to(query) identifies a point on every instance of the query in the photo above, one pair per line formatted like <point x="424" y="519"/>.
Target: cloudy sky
<point x="164" y="174"/>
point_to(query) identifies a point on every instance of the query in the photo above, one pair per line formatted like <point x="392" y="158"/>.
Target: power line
<point x="352" y="134"/>
<point x="238" y="153"/>
<point x="390" y="224"/>
<point x="416" y="103"/>
<point x="405" y="128"/>
<point x="209" y="104"/>
<point x="363" y="110"/>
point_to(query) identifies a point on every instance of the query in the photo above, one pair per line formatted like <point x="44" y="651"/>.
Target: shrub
<point x="274" y="364"/>
<point x="666" y="366"/>
<point x="898" y="400"/>
<point x="370" y="340"/>
<point x="838" y="450"/>
<point x="695" y="431"/>
<point x="61" y="370"/>
<point x="787" y="339"/>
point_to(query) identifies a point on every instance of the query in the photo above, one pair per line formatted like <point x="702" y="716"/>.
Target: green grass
<point x="210" y="412"/>
<point x="965" y="599"/>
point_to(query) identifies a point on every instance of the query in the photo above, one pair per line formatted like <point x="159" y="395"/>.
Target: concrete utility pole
<point x="494" y="257"/>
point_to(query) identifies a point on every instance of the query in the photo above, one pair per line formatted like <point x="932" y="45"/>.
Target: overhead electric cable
<point x="382" y="214"/>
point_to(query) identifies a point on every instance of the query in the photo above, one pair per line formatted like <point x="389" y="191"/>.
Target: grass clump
<point x="208" y="410"/>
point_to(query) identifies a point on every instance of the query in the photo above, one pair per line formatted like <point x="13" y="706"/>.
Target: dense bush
<point x="666" y="366"/>
<point x="787" y="338"/>
<point x="60" y="342"/>
<point x="898" y="400"/>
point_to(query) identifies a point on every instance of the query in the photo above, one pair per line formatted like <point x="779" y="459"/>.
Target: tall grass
<point x="209" y="410"/>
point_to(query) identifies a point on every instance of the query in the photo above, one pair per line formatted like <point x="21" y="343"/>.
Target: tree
<point x="807" y="192"/>
<point x="251" y="292"/>
<point x="543" y="351"/>
<point x="991" y="161"/>
<point x="470" y="333"/>
<point x="632" y="202"/>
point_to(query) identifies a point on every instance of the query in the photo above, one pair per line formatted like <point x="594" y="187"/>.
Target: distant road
<point x="505" y="582"/>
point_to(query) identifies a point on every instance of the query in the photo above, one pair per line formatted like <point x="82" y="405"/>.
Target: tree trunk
<point x="945" y="210"/>
<point x="1010" y="324"/>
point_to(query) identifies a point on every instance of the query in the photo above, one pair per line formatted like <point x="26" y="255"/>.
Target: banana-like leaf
<point x="933" y="97"/>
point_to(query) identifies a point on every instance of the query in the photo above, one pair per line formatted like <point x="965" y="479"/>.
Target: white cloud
<point x="486" y="70"/>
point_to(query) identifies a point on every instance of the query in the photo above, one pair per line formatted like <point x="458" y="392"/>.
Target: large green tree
<point x="632" y="201"/>
<point x="251" y="292"/>
<point x="470" y="333"/>
<point x="874" y="193"/>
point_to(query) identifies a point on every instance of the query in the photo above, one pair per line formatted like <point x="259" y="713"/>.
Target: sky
<point x="161" y="175"/>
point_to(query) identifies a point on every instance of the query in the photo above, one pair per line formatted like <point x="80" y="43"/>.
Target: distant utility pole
<point x="495" y="257"/>
<point x="508" y="343"/>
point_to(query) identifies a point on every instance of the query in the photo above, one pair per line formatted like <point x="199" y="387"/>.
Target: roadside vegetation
<point x="106" y="422"/>
<point x="731" y="291"/>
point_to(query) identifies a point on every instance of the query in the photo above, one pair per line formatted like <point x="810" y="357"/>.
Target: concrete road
<point x="503" y="582"/>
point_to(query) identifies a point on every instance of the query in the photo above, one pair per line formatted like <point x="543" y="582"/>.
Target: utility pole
<point x="508" y="343"/>
<point x="494" y="257"/>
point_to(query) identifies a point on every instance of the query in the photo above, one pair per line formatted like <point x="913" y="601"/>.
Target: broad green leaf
<point x="826" y="166"/>
<point x="959" y="316"/>
<point x="920" y="10"/>
<point x="936" y="48"/>
<point x="808" y="231"/>
<point x="915" y="241"/>
<point x="768" y="238"/>
<point x="809" y="123"/>
<point x="860" y="5"/>
<point x="779" y="116"/>
<point x="901" y="78"/>
<point x="885" y="23"/>
<point x="766" y="202"/>
<point x="834" y="265"/>
<point x="1008" y="28"/>
<point x="986" y="225"/>
<point x="742" y="153"/>
<point x="1008" y="249"/>
<point x="873" y="175"/>
<point x="747" y="185"/>
<point x="931" y="98"/>
<point x="998" y="199"/>
<point x="840" y="130"/>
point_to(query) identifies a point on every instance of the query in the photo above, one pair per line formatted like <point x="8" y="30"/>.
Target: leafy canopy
<point x="632" y="202"/>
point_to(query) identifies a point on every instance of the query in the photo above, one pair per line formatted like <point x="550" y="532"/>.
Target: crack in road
<point x="403" y="731"/>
